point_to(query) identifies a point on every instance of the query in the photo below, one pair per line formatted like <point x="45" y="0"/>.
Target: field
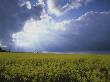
<point x="30" y="67"/>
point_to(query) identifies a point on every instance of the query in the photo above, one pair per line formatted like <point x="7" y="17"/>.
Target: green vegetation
<point x="29" y="67"/>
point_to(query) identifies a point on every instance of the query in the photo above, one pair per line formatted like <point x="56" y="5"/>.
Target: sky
<point x="55" y="25"/>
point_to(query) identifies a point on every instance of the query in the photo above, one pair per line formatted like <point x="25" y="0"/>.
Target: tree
<point x="0" y="49"/>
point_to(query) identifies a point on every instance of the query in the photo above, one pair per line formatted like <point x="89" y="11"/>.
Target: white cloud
<point x="52" y="8"/>
<point x="39" y="31"/>
<point x="92" y="14"/>
<point x="41" y="2"/>
<point x="73" y="5"/>
<point x="25" y="3"/>
<point x="28" y="5"/>
<point x="55" y="8"/>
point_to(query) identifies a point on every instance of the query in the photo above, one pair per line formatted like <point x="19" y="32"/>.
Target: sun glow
<point x="39" y="32"/>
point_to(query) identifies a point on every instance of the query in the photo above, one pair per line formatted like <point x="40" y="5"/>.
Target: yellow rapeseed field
<point x="49" y="67"/>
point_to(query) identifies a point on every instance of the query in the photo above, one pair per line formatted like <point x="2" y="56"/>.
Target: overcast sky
<point x="55" y="25"/>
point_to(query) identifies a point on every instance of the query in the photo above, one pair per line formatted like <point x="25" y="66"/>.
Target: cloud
<point x="13" y="17"/>
<point x="3" y="46"/>
<point x="88" y="32"/>
<point x="55" y="7"/>
<point x="18" y="24"/>
<point x="27" y="4"/>
<point x="41" y="2"/>
<point x="39" y="33"/>
<point x="52" y="7"/>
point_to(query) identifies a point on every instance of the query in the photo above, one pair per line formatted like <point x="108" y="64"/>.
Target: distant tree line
<point x="1" y="50"/>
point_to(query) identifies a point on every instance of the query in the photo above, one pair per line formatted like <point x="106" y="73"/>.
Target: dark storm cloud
<point x="93" y="31"/>
<point x="13" y="16"/>
<point x="90" y="31"/>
